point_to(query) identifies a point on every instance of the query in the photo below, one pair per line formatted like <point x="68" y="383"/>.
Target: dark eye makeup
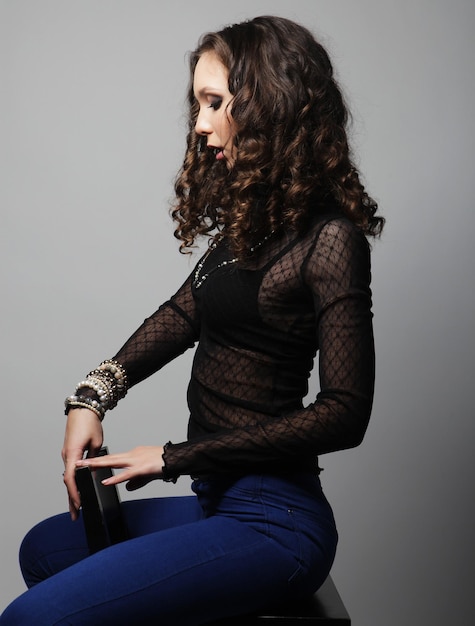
<point x="215" y="104"/>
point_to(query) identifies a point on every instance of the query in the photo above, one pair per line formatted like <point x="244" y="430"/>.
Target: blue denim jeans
<point x="238" y="545"/>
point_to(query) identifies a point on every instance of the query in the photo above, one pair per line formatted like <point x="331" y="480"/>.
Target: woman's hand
<point x="140" y="466"/>
<point x="83" y="434"/>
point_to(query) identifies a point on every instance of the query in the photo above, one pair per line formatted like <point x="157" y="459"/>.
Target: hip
<point x="290" y="509"/>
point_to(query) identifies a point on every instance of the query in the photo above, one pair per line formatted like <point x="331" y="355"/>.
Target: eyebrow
<point x="204" y="91"/>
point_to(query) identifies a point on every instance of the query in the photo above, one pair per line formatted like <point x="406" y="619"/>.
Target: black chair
<point x="324" y="608"/>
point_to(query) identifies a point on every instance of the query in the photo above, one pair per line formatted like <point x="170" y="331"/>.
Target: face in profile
<point x="210" y="87"/>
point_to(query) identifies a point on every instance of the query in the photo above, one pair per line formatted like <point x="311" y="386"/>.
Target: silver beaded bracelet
<point x="97" y="385"/>
<point x="109" y="383"/>
<point x="83" y="402"/>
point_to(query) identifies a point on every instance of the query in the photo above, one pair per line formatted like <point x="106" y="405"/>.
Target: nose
<point x="202" y="125"/>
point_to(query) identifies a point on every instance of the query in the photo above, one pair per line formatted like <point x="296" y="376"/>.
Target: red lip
<point x="219" y="152"/>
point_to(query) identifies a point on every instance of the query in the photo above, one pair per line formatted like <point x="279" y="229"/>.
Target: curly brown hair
<point x="292" y="159"/>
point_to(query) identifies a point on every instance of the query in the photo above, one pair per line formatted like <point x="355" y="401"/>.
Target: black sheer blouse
<point x="258" y="326"/>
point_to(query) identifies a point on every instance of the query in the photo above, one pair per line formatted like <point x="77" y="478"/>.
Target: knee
<point x="17" y="613"/>
<point x="32" y="607"/>
<point x="29" y="557"/>
<point x="43" y="549"/>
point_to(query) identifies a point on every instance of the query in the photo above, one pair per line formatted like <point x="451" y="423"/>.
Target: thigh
<point x="57" y="542"/>
<point x="183" y="575"/>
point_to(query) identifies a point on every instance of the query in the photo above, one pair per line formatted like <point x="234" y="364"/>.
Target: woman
<point x="268" y="177"/>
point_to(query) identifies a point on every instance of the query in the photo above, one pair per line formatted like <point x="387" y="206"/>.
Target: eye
<point x="215" y="103"/>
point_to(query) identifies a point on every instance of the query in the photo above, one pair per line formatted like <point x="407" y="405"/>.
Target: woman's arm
<point x="172" y="329"/>
<point x="163" y="336"/>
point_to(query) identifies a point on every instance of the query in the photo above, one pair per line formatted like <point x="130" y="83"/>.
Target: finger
<point x="73" y="510"/>
<point x="69" y="480"/>
<point x="116" y="479"/>
<point x="118" y="461"/>
<point x="73" y="497"/>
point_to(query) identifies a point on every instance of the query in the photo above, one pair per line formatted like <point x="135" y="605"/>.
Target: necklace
<point x="200" y="278"/>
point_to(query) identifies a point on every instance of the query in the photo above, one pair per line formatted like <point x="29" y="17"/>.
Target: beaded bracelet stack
<point x="109" y="384"/>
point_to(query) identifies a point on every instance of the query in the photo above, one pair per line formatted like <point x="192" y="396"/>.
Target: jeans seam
<point x="299" y="552"/>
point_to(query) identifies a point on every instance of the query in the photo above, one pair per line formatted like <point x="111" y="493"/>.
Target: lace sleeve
<point x="337" y="271"/>
<point x="166" y="334"/>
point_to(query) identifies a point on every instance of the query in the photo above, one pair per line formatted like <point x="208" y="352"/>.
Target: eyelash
<point x="216" y="104"/>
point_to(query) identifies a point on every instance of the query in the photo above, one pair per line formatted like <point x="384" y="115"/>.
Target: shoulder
<point x="332" y="233"/>
<point x="339" y="247"/>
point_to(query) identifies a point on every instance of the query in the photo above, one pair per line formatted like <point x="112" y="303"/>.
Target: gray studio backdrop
<point x="91" y="135"/>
